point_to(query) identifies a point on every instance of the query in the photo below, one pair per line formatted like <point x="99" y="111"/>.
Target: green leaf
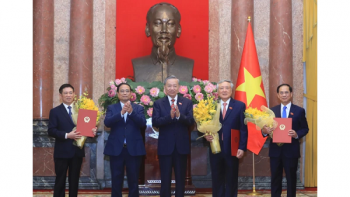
<point x="161" y="94"/>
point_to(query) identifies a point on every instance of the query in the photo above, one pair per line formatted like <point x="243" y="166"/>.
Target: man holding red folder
<point x="224" y="166"/>
<point x="67" y="157"/>
<point x="286" y="156"/>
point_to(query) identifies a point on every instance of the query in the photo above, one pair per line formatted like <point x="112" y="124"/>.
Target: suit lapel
<point x="179" y="102"/>
<point x="166" y="103"/>
<point x="229" y="108"/>
<point x="119" y="109"/>
<point x="65" y="113"/>
<point x="133" y="111"/>
<point x="291" y="111"/>
<point x="278" y="112"/>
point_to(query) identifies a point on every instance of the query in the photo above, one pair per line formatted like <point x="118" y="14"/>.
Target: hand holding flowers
<point x="206" y="115"/>
<point x="263" y="119"/>
<point x="83" y="103"/>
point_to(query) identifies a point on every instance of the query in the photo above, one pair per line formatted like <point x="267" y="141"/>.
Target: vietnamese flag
<point x="250" y="88"/>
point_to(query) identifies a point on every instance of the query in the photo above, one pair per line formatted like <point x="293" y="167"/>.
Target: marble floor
<point x="264" y="193"/>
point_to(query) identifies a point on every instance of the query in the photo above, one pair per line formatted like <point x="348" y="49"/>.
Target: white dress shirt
<point x="175" y="103"/>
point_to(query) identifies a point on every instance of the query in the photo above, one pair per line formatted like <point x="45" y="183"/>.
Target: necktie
<point x="223" y="116"/>
<point x="224" y="111"/>
<point x="284" y="113"/>
<point x="172" y="103"/>
<point x="70" y="112"/>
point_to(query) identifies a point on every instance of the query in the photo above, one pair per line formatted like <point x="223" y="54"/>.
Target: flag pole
<point x="254" y="193"/>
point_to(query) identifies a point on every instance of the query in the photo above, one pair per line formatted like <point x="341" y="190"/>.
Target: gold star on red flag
<point x="252" y="86"/>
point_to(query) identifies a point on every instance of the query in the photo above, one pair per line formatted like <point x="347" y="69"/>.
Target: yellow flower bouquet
<point x="84" y="103"/>
<point x="260" y="118"/>
<point x="206" y="114"/>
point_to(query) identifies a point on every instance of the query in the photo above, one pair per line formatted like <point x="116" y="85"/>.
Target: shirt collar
<point x="169" y="98"/>
<point x="122" y="104"/>
<point x="288" y="105"/>
<point x="66" y="106"/>
<point x="222" y="102"/>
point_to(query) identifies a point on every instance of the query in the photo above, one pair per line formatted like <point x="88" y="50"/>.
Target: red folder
<point x="280" y="134"/>
<point x="234" y="141"/>
<point x="86" y="122"/>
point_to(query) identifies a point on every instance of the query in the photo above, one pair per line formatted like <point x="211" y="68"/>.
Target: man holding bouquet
<point x="224" y="166"/>
<point x="66" y="155"/>
<point x="287" y="155"/>
<point x="125" y="146"/>
<point x="173" y="115"/>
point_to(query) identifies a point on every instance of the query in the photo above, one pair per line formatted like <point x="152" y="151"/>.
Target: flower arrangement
<point x="84" y="103"/>
<point x="198" y="90"/>
<point x="206" y="114"/>
<point x="260" y="118"/>
<point x="146" y="94"/>
<point x="142" y="93"/>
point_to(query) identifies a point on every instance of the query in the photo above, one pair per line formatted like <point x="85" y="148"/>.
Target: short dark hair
<point x="67" y="85"/>
<point x="123" y="84"/>
<point x="284" y="84"/>
<point x="150" y="11"/>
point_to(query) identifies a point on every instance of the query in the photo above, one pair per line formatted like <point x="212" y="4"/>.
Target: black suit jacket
<point x="299" y="125"/>
<point x="131" y="130"/>
<point x="59" y="124"/>
<point x="234" y="119"/>
<point x="172" y="132"/>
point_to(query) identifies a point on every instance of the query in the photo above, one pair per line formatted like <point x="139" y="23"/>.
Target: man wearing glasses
<point x="125" y="145"/>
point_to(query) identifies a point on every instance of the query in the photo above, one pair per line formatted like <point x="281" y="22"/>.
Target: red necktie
<point x="172" y="104"/>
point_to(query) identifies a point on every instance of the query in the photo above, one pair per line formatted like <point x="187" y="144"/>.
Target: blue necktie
<point x="70" y="112"/>
<point x="284" y="114"/>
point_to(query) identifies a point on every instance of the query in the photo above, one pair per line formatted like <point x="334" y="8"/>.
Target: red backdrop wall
<point x="131" y="40"/>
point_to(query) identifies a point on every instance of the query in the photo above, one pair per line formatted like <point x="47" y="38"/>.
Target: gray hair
<point x="171" y="77"/>
<point x="222" y="81"/>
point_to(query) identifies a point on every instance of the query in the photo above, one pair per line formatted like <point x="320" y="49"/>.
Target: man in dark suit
<point x="173" y="115"/>
<point x="66" y="155"/>
<point x="125" y="146"/>
<point x="224" y="166"/>
<point x="286" y="156"/>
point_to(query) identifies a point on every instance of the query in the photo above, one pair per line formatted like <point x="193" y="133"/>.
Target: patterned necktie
<point x="284" y="113"/>
<point x="224" y="111"/>
<point x="70" y="112"/>
<point x="172" y="103"/>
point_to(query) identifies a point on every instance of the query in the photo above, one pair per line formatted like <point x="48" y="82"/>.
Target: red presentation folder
<point x="280" y="134"/>
<point x="86" y="122"/>
<point x="234" y="141"/>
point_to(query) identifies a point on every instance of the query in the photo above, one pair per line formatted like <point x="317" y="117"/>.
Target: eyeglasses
<point x="124" y="91"/>
<point x="282" y="93"/>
